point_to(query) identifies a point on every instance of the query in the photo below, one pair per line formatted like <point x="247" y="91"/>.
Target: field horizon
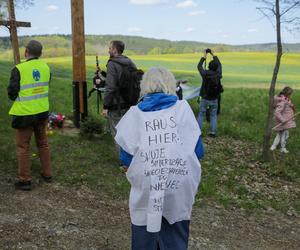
<point x="240" y="69"/>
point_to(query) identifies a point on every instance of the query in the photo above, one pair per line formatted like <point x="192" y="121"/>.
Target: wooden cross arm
<point x="17" y="23"/>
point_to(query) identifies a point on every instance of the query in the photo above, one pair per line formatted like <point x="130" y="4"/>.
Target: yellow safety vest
<point x="34" y="85"/>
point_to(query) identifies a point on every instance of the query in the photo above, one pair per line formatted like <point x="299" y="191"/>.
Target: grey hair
<point x="158" y="79"/>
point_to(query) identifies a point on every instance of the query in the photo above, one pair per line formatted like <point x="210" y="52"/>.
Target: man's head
<point x="116" y="48"/>
<point x="213" y="65"/>
<point x="33" y="49"/>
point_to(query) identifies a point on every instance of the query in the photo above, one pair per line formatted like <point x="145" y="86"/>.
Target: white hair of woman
<point x="158" y="79"/>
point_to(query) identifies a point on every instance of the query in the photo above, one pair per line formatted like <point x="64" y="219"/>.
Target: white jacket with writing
<point x="164" y="173"/>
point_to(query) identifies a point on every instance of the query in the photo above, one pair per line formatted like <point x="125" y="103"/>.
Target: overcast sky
<point x="216" y="21"/>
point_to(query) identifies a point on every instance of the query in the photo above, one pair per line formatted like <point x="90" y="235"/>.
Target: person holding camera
<point x="210" y="90"/>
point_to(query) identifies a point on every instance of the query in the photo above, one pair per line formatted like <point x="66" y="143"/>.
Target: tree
<point x="21" y="4"/>
<point x="12" y="24"/>
<point x="282" y="14"/>
<point x="3" y="13"/>
<point x="18" y="3"/>
<point x="154" y="51"/>
<point x="187" y="49"/>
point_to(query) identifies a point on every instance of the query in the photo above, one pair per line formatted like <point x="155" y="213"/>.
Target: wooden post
<point x="12" y="25"/>
<point x="13" y="31"/>
<point x="79" y="70"/>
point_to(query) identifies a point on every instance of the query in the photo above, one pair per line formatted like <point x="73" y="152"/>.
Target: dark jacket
<point x="207" y="75"/>
<point x="113" y="74"/>
<point x="179" y="92"/>
<point x="13" y="92"/>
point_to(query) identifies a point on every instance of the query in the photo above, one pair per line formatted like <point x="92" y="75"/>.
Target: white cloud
<point x="186" y="4"/>
<point x="252" y="30"/>
<point x="197" y="12"/>
<point x="52" y="7"/>
<point x="189" y="29"/>
<point x="134" y="29"/>
<point x="148" y="2"/>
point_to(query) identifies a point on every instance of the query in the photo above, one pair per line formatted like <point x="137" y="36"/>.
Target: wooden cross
<point x="80" y="105"/>
<point x="12" y="25"/>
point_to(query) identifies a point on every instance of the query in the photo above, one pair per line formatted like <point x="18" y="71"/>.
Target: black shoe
<point x="213" y="135"/>
<point x="46" y="178"/>
<point x="23" y="185"/>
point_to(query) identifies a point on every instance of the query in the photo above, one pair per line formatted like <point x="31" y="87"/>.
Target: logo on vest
<point x="36" y="75"/>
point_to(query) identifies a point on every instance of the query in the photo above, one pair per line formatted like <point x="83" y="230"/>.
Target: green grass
<point x="94" y="162"/>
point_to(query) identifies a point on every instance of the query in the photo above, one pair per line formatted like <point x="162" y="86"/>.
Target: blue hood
<point x="157" y="101"/>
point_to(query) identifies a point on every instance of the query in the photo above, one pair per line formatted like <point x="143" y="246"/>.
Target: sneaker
<point x="272" y="148"/>
<point x="284" y="150"/>
<point x="23" y="185"/>
<point x="46" y="178"/>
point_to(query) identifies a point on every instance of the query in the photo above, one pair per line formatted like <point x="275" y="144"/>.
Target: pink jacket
<point x="284" y="110"/>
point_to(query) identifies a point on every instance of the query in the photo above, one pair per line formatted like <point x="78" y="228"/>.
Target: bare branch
<point x="266" y="15"/>
<point x="269" y="3"/>
<point x="23" y="4"/>
<point x="289" y="15"/>
<point x="266" y="8"/>
<point x="295" y="4"/>
<point x="292" y="20"/>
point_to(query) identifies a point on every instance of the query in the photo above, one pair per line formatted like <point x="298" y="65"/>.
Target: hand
<point x="105" y="112"/>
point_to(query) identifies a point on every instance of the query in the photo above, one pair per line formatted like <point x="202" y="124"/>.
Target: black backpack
<point x="129" y="85"/>
<point x="213" y="87"/>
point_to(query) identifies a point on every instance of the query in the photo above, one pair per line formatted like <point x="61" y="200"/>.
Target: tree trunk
<point x="268" y="129"/>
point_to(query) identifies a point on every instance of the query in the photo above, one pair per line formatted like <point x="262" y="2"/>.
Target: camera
<point x="208" y="51"/>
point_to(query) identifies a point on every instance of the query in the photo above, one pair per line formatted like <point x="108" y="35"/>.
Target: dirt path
<point x="52" y="216"/>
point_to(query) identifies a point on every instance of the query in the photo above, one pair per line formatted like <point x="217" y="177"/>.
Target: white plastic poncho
<point x="164" y="173"/>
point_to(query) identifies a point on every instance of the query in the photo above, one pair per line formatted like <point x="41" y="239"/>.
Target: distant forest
<point x="61" y="45"/>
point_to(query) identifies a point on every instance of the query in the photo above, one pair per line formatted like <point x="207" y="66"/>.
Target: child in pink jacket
<point x="284" y="111"/>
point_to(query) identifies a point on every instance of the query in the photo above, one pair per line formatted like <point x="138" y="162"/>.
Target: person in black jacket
<point x="210" y="90"/>
<point x="114" y="106"/>
<point x="179" y="90"/>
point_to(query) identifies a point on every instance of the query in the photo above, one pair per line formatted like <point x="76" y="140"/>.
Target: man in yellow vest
<point x="28" y="88"/>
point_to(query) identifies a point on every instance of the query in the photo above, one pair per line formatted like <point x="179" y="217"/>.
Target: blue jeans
<point x="170" y="237"/>
<point x="213" y="106"/>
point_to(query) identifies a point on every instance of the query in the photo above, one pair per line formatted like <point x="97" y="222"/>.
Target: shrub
<point x="90" y="126"/>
